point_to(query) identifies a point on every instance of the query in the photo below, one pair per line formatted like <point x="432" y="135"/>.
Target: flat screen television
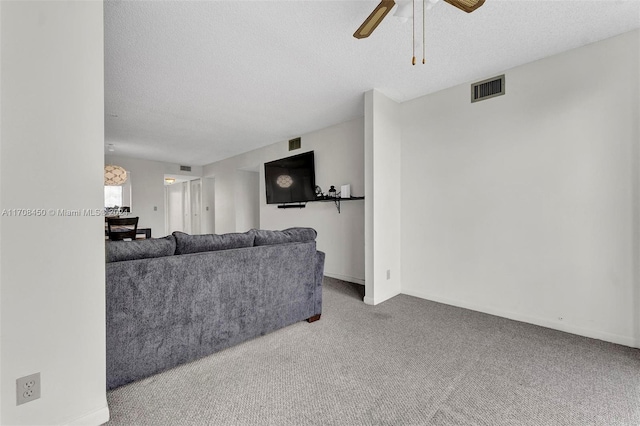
<point x="291" y="179"/>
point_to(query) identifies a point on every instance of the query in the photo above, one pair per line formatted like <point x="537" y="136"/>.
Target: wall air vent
<point x="185" y="168"/>
<point x="486" y="89"/>
<point x="295" y="144"/>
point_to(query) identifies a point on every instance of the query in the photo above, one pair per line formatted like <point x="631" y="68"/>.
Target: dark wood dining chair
<point x="119" y="228"/>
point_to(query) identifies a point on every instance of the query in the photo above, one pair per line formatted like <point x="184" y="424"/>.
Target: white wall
<point x="247" y="200"/>
<point x="225" y="204"/>
<point x="208" y="206"/>
<point x="52" y="311"/>
<point x="174" y="207"/>
<point x="526" y="205"/>
<point x="147" y="189"/>
<point x="382" y="218"/>
<point x="339" y="159"/>
<point x="195" y="199"/>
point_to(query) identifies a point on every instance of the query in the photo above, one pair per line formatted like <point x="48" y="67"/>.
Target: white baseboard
<point x="95" y="418"/>
<point x="366" y="300"/>
<point x="344" y="278"/>
<point x="374" y="301"/>
<point x="543" y="322"/>
<point x="385" y="298"/>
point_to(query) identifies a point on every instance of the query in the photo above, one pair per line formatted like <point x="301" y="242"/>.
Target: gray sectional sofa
<point x="175" y="299"/>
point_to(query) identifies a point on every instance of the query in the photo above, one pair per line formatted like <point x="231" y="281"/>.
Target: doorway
<point x="183" y="201"/>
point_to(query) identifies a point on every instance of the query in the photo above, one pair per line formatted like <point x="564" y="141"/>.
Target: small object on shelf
<point x="319" y="193"/>
<point x="345" y="191"/>
<point x="332" y="192"/>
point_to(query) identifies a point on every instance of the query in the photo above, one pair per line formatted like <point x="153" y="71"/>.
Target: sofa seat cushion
<point x="117" y="251"/>
<point x="291" y="235"/>
<point x="186" y="244"/>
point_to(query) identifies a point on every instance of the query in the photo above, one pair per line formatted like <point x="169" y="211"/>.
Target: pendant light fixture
<point x="114" y="175"/>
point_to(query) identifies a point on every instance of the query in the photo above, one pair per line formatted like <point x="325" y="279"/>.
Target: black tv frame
<point x="301" y="167"/>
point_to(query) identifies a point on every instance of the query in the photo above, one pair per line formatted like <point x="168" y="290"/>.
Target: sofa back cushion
<point x="291" y="235"/>
<point x="186" y="243"/>
<point x="117" y="251"/>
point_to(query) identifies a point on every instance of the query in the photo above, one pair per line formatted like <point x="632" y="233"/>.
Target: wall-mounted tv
<point x="291" y="179"/>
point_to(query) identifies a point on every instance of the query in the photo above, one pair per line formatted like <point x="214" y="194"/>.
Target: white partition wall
<point x="382" y="190"/>
<point x="52" y="272"/>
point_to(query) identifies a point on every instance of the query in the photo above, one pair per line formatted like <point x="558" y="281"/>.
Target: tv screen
<point x="290" y="179"/>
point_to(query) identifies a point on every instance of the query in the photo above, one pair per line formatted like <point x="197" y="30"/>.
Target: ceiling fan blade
<point x="374" y="19"/>
<point x="466" y="5"/>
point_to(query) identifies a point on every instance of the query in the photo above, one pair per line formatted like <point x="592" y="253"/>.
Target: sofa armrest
<point x="318" y="281"/>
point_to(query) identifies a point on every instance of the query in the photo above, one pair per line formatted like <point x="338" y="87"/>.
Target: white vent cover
<point x="486" y="89"/>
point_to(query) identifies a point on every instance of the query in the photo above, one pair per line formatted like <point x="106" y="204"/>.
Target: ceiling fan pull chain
<point x="424" y="4"/>
<point x="413" y="23"/>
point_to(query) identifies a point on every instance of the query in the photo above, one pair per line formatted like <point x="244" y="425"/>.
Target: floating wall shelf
<point x="335" y="200"/>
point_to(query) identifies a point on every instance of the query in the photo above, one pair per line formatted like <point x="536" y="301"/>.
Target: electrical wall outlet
<point x="27" y="388"/>
<point x="388" y="274"/>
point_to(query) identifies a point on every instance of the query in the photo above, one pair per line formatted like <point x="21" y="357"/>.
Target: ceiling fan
<point x="385" y="7"/>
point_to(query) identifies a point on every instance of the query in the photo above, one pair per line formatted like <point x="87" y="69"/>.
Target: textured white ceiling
<point x="196" y="82"/>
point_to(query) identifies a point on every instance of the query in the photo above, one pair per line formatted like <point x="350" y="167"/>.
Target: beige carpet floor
<point x="406" y="361"/>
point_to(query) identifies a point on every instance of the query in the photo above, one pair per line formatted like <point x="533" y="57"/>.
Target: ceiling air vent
<point x="486" y="89"/>
<point x="185" y="168"/>
<point x="295" y="144"/>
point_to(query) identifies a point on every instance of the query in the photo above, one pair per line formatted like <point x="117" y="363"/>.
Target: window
<point x="118" y="195"/>
<point x="113" y="196"/>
